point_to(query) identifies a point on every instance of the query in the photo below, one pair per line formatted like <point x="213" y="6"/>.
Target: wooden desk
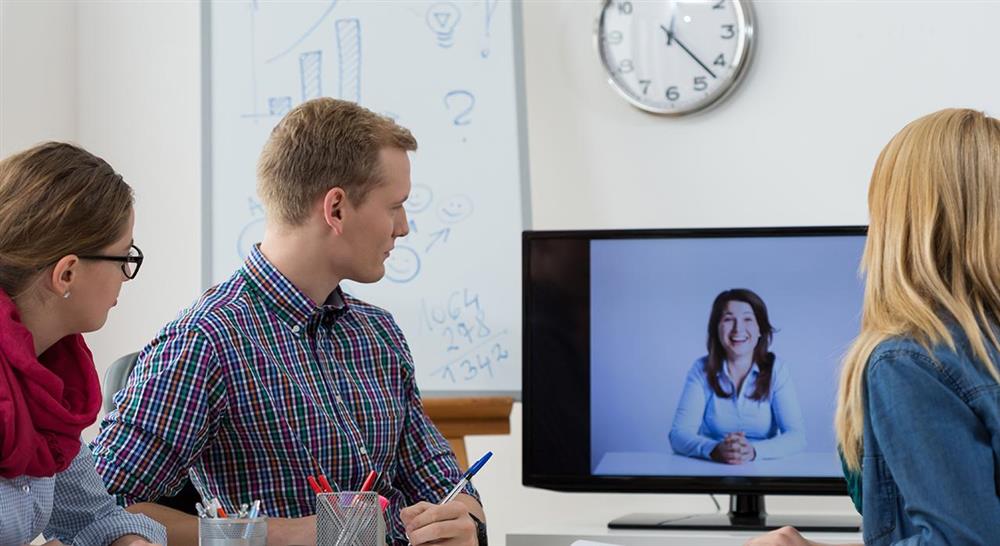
<point x="459" y="417"/>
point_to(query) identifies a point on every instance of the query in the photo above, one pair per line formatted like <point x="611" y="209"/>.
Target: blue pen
<point x="465" y="479"/>
<point x="254" y="513"/>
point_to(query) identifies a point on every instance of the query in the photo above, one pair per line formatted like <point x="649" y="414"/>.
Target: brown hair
<point x="322" y="144"/>
<point x="56" y="199"/>
<point x="761" y="355"/>
<point x="932" y="252"/>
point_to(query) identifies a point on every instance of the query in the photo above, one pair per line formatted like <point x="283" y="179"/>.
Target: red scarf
<point x="45" y="402"/>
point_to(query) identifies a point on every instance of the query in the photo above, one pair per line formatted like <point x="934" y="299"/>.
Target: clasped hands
<point x="734" y="449"/>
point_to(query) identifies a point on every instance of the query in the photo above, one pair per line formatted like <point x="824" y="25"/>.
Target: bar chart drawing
<point x="349" y="56"/>
<point x="311" y="74"/>
<point x="279" y="106"/>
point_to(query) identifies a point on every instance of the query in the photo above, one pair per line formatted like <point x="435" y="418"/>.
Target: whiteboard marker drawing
<point x="442" y="18"/>
<point x="461" y="101"/>
<point x="312" y="28"/>
<point x="403" y="264"/>
<point x="349" y="55"/>
<point x="311" y="74"/>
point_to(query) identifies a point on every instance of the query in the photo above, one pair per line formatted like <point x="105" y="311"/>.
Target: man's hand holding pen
<point x="445" y="524"/>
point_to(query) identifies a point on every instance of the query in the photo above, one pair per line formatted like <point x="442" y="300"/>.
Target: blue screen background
<point x="650" y="303"/>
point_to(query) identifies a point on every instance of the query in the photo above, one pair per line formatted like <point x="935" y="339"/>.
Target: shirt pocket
<point x="880" y="499"/>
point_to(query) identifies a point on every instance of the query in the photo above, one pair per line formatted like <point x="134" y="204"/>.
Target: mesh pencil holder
<point x="349" y="519"/>
<point x="232" y="532"/>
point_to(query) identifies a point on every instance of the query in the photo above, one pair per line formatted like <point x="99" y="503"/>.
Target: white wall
<point x="139" y="105"/>
<point x="830" y="83"/>
<point x="37" y="73"/>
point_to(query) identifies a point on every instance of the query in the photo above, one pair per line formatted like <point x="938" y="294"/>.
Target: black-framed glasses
<point x="130" y="263"/>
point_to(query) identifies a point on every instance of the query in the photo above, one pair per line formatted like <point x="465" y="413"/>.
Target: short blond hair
<point x="56" y="199"/>
<point x="322" y="144"/>
<point x="933" y="250"/>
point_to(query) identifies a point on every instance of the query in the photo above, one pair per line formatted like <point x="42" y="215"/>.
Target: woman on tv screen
<point x="739" y="402"/>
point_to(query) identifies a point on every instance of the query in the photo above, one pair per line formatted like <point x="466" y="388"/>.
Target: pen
<point x="254" y="512"/>
<point x="325" y="484"/>
<point x="465" y="479"/>
<point x="254" y="509"/>
<point x="315" y="486"/>
<point x="198" y="486"/>
<point x="369" y="481"/>
<point x="353" y="524"/>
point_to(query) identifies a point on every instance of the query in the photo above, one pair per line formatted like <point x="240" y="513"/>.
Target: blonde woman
<point x="65" y="249"/>
<point x="918" y="414"/>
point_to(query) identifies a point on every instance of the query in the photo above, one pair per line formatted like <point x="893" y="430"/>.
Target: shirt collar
<point x="289" y="303"/>
<point x="724" y="372"/>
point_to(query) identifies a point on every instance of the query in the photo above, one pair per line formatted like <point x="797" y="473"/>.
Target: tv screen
<point x="687" y="360"/>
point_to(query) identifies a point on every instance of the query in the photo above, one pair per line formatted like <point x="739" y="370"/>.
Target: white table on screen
<point x="644" y="463"/>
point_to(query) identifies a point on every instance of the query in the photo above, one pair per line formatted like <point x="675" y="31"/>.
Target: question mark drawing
<point x="460" y="98"/>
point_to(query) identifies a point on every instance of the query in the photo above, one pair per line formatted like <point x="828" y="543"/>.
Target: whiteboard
<point x="448" y="71"/>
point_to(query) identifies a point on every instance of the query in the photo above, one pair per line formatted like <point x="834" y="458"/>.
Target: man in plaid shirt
<point x="276" y="374"/>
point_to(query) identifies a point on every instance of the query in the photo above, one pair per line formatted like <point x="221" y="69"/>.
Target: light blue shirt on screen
<point x="774" y="426"/>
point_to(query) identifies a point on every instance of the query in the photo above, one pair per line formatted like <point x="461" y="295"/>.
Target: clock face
<point x="673" y="56"/>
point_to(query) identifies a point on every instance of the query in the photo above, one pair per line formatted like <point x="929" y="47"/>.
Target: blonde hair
<point x="321" y="144"/>
<point x="933" y="250"/>
<point x="56" y="199"/>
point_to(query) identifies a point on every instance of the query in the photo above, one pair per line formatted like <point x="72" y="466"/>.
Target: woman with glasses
<point x="65" y="249"/>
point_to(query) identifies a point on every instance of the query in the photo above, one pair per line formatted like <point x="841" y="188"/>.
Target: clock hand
<point x="669" y="31"/>
<point x="671" y="37"/>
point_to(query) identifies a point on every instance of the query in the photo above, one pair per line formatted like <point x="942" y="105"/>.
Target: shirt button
<point x="295" y="329"/>
<point x="26" y="489"/>
<point x="364" y="451"/>
<point x="338" y="399"/>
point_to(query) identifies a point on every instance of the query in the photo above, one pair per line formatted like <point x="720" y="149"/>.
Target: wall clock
<point x="675" y="57"/>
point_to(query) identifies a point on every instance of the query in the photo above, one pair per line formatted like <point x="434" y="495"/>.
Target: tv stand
<point x="746" y="513"/>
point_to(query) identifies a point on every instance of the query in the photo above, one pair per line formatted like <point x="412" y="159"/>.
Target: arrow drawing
<point x="441" y="235"/>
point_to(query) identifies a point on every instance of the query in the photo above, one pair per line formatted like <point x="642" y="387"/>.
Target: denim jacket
<point x="931" y="465"/>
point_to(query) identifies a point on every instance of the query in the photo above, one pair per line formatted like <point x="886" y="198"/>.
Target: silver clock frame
<point x="742" y="60"/>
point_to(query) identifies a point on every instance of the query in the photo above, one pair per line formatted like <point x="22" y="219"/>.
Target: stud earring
<point x="66" y="295"/>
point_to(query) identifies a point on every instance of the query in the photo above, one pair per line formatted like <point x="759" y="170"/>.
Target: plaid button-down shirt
<point x="255" y="388"/>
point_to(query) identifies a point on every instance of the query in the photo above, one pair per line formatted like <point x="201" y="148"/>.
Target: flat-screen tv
<point x="689" y="361"/>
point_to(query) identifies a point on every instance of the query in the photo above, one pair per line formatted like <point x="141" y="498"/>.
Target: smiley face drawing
<point x="403" y="264"/>
<point x="250" y="235"/>
<point x="455" y="209"/>
<point x="420" y="198"/>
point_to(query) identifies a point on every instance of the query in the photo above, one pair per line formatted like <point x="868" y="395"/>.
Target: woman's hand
<point x="734" y="449"/>
<point x="786" y="536"/>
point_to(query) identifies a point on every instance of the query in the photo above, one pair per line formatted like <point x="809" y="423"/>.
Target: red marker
<point x="325" y="484"/>
<point x="369" y="481"/>
<point x="315" y="486"/>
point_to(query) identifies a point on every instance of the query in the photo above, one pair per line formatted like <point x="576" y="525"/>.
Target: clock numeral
<point x="614" y="37"/>
<point x="718" y="5"/>
<point x="729" y="31"/>
<point x="673" y="93"/>
<point x="700" y="84"/>
<point x="645" y="85"/>
<point x="625" y="8"/>
<point x="626" y="66"/>
<point x="720" y="60"/>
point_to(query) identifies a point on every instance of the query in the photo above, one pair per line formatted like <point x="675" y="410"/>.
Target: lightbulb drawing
<point x="442" y="18"/>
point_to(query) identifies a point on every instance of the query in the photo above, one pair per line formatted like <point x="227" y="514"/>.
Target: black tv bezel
<point x="730" y="485"/>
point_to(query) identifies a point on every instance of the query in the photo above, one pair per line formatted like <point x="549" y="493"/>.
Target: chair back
<point x="115" y="378"/>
